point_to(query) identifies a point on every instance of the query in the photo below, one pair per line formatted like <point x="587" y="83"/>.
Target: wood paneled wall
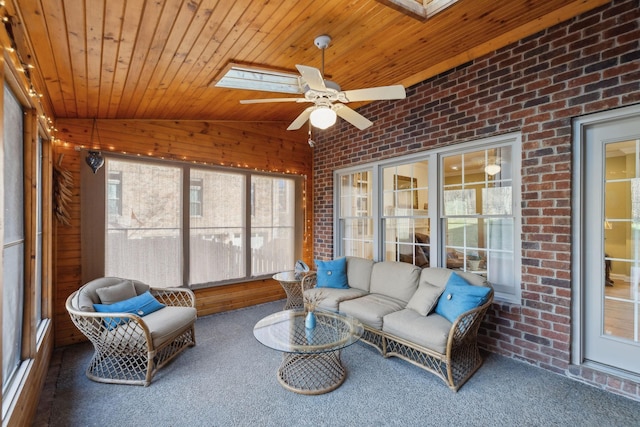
<point x="256" y="146"/>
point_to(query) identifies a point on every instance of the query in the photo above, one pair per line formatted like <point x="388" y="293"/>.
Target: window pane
<point x="356" y="213"/>
<point x="195" y="197"/>
<point x="114" y="194"/>
<point x="477" y="205"/>
<point x="38" y="260"/>
<point x="406" y="210"/>
<point x="216" y="242"/>
<point x="144" y="242"/>
<point x="13" y="244"/>
<point x="355" y="241"/>
<point x="272" y="224"/>
<point x="12" y="302"/>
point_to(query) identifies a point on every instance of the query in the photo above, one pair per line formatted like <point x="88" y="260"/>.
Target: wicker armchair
<point x="132" y="352"/>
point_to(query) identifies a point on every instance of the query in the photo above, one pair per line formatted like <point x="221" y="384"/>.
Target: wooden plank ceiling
<point x="144" y="59"/>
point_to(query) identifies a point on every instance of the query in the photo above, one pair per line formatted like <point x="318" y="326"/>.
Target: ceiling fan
<point x="329" y="99"/>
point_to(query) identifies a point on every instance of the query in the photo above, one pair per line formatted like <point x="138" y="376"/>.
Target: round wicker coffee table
<point x="311" y="361"/>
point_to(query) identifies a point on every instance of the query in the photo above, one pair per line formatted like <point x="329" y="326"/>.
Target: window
<point x="272" y="224"/>
<point x="356" y="214"/>
<point x="39" y="259"/>
<point x="241" y="224"/>
<point x="217" y="239"/>
<point x="114" y="193"/>
<point x="13" y="248"/>
<point x="195" y="197"/>
<point x="386" y="211"/>
<point x="405" y="213"/>
<point x="477" y="213"/>
<point x="145" y="241"/>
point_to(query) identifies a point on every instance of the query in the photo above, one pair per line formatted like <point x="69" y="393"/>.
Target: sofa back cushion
<point x="87" y="295"/>
<point x="359" y="272"/>
<point x="395" y="279"/>
<point x="460" y="296"/>
<point x="332" y="274"/>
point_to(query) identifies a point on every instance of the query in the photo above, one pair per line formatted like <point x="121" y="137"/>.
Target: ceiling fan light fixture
<point x="323" y="117"/>
<point x="492" y="169"/>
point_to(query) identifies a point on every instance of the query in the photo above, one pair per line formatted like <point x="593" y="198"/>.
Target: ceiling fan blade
<point x="301" y="119"/>
<point x="263" y="100"/>
<point x="376" y="93"/>
<point x="353" y="117"/>
<point x="313" y="77"/>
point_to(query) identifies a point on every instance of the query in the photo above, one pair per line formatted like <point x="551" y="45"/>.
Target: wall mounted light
<point x="323" y="117"/>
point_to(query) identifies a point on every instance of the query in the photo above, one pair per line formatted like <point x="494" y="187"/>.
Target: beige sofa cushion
<point x="116" y="293"/>
<point x="397" y="280"/>
<point x="431" y="285"/>
<point x="164" y="325"/>
<point x="169" y="322"/>
<point x="370" y="309"/>
<point x="88" y="296"/>
<point x="430" y="331"/>
<point x="425" y="298"/>
<point x="359" y="272"/>
<point x="332" y="297"/>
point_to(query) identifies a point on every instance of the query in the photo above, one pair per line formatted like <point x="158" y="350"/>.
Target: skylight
<point x="262" y="79"/>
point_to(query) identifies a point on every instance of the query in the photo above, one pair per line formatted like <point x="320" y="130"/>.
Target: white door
<point x="611" y="236"/>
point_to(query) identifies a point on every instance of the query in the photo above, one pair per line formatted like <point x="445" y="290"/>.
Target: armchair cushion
<point x="141" y="305"/>
<point x="165" y="324"/>
<point x="115" y="293"/>
<point x="332" y="274"/>
<point x="459" y="296"/>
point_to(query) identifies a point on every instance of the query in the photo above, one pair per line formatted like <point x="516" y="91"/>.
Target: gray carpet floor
<point x="229" y="379"/>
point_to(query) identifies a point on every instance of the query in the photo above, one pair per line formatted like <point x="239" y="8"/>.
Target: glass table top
<point x="286" y="331"/>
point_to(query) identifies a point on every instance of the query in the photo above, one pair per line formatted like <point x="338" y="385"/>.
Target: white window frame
<point x="510" y="293"/>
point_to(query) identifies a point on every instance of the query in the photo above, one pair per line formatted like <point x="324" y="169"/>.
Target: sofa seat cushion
<point x="169" y="322"/>
<point x="332" y="297"/>
<point x="397" y="280"/>
<point x="430" y="331"/>
<point x="370" y="309"/>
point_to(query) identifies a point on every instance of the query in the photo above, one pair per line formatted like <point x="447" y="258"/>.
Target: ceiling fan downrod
<point x="322" y="42"/>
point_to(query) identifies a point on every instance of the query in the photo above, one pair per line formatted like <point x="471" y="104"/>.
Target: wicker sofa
<point x="130" y="346"/>
<point x="395" y="301"/>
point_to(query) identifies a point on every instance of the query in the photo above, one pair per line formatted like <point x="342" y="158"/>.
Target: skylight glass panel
<point x="260" y="79"/>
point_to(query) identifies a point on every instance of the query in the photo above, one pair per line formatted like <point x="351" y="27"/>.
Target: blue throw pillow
<point x="459" y="296"/>
<point x="141" y="305"/>
<point x="332" y="274"/>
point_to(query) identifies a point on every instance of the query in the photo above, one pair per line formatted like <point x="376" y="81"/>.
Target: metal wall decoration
<point x="95" y="160"/>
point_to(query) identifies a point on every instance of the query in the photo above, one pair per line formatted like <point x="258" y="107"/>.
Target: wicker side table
<point x="291" y="285"/>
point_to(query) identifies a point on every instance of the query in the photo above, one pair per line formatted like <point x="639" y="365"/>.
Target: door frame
<point x="579" y="254"/>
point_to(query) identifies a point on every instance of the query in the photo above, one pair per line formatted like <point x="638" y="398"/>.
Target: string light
<point x="25" y="68"/>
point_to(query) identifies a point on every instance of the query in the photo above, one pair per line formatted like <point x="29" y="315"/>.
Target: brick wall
<point x="536" y="86"/>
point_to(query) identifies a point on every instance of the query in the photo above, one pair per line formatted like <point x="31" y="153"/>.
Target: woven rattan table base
<point x="311" y="373"/>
